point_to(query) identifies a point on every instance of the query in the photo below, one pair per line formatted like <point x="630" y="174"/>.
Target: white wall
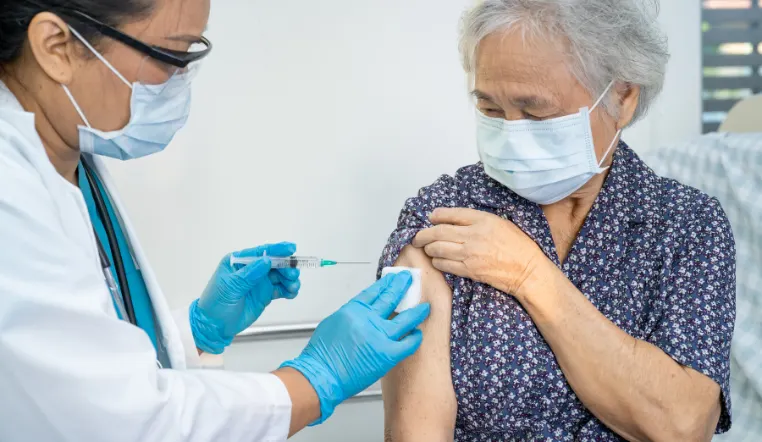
<point x="313" y="121"/>
<point x="677" y="114"/>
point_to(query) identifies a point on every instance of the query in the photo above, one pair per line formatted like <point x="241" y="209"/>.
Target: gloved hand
<point x="236" y="297"/>
<point x="356" y="346"/>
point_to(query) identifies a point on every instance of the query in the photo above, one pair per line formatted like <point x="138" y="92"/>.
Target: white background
<point x="312" y="122"/>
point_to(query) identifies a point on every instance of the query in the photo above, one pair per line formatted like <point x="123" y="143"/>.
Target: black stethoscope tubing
<point x="121" y="275"/>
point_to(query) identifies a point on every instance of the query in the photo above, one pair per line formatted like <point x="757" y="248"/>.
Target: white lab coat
<point x="70" y="370"/>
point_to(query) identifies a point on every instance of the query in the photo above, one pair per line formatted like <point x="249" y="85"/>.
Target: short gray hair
<point x="608" y="40"/>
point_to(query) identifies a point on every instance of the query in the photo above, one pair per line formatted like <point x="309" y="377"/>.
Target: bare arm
<point x="633" y="386"/>
<point x="630" y="385"/>
<point x="305" y="404"/>
<point x="419" y="400"/>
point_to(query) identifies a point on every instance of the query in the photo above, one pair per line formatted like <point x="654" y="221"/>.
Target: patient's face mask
<point x="542" y="161"/>
<point x="157" y="113"/>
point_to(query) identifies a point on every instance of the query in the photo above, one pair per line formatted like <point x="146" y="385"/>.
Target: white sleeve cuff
<point x="192" y="358"/>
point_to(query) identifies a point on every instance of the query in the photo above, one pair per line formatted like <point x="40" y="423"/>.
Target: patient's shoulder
<point x="446" y="191"/>
<point x="413" y="257"/>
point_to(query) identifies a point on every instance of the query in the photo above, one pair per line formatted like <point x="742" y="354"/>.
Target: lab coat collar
<point x="171" y="337"/>
<point x="8" y="100"/>
<point x="77" y="224"/>
<point x="74" y="222"/>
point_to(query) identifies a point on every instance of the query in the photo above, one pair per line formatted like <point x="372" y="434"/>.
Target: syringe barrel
<point x="296" y="262"/>
<point x="293" y="262"/>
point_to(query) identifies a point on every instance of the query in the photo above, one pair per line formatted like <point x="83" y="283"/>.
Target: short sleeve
<point x="414" y="217"/>
<point x="699" y="296"/>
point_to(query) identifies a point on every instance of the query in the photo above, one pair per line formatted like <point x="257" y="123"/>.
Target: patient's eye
<point x="489" y="108"/>
<point x="492" y="111"/>
<point x="532" y="117"/>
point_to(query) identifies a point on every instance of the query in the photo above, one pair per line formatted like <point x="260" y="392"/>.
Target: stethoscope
<point x="123" y="301"/>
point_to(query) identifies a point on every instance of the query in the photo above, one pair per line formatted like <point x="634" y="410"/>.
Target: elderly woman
<point x="576" y="295"/>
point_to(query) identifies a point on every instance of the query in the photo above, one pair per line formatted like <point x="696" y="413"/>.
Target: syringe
<point x="293" y="262"/>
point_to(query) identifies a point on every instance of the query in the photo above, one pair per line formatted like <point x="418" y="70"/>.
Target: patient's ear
<point x="629" y="98"/>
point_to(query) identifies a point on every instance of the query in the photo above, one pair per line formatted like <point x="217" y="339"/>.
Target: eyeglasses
<point x="179" y="59"/>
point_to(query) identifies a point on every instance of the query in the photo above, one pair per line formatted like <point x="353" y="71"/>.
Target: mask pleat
<point x="542" y="161"/>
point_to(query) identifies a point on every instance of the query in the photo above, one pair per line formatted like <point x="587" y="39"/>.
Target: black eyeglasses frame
<point x="179" y="59"/>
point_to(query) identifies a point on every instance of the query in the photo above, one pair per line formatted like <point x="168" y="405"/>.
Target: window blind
<point x="732" y="56"/>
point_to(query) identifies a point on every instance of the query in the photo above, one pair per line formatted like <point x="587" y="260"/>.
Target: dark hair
<point x="16" y="15"/>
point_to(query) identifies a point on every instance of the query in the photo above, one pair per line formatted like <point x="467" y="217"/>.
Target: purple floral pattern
<point x="655" y="257"/>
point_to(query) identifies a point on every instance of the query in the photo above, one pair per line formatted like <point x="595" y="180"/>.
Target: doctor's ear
<point x="53" y="46"/>
<point x="628" y="99"/>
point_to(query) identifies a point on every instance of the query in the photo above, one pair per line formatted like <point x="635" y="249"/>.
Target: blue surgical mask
<point x="542" y="161"/>
<point x="157" y="113"/>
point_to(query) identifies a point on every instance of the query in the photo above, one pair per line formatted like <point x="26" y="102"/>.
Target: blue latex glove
<point x="356" y="346"/>
<point x="236" y="297"/>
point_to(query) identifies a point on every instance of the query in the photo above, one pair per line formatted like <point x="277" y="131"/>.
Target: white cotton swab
<point x="413" y="296"/>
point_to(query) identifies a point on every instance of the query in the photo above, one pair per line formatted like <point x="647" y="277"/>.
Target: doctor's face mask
<point x="157" y="113"/>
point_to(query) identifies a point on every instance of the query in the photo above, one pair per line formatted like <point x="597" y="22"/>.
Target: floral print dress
<point x="655" y="257"/>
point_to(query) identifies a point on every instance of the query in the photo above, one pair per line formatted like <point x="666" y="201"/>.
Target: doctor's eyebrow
<point x="187" y="38"/>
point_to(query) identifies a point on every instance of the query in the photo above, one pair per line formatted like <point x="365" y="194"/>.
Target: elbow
<point x="692" y="425"/>
<point x="689" y="430"/>
<point x="693" y="414"/>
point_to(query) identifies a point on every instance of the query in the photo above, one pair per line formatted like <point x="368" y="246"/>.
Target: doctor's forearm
<point x="631" y="385"/>
<point x="305" y="404"/>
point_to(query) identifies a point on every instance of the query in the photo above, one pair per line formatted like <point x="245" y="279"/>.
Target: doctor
<point x="89" y="349"/>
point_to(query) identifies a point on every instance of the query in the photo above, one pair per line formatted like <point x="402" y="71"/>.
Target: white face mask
<point x="542" y="161"/>
<point x="157" y="113"/>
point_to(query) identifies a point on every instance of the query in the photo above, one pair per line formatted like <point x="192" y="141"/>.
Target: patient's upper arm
<point x="419" y="400"/>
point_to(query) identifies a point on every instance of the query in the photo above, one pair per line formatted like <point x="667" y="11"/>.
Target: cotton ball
<point x="413" y="296"/>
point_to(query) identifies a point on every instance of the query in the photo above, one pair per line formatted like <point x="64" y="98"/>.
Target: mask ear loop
<point x="76" y="106"/>
<point x="100" y="57"/>
<point x="603" y="95"/>
<point x="619" y="132"/>
<point x="608" y="151"/>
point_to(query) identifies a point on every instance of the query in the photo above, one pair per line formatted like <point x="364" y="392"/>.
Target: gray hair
<point x="608" y="40"/>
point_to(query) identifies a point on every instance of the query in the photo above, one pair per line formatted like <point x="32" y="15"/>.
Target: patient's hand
<point x="419" y="400"/>
<point x="482" y="247"/>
